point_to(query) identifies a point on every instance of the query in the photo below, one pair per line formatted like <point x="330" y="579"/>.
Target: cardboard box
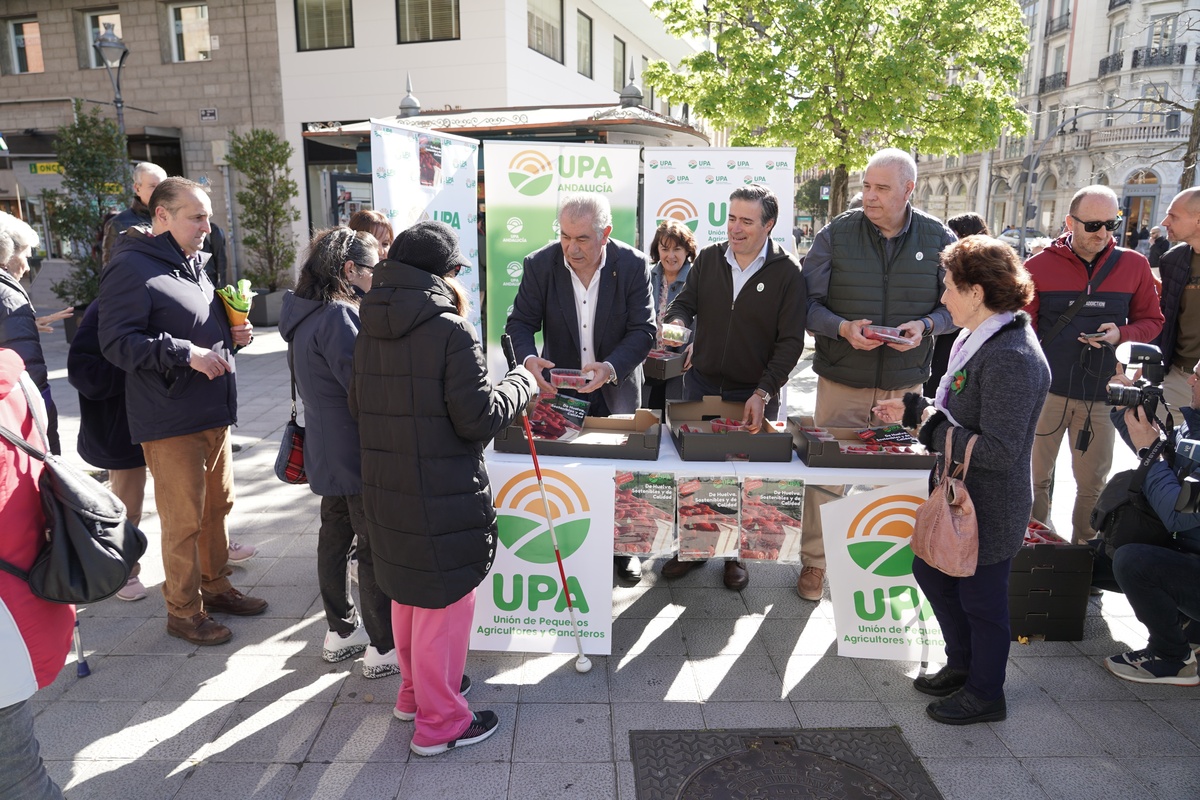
<point x="823" y="453"/>
<point x="663" y="368"/>
<point x="735" y="446"/>
<point x="1048" y="591"/>
<point x="602" y="437"/>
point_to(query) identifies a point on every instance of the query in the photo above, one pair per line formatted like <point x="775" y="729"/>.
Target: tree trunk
<point x="839" y="190"/>
<point x="1192" y="152"/>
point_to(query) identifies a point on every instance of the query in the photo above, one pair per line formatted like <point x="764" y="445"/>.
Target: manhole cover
<point x="845" y="764"/>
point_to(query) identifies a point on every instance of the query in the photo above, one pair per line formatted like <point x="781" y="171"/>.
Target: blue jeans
<point x="23" y="776"/>
<point x="1161" y="584"/>
<point x="973" y="613"/>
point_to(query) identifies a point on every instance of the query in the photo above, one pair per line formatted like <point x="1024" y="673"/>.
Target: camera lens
<point x="1121" y="395"/>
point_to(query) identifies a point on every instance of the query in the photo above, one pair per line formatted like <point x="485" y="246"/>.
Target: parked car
<point x="1011" y="237"/>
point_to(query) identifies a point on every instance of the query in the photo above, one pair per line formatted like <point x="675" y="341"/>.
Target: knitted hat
<point x="430" y="246"/>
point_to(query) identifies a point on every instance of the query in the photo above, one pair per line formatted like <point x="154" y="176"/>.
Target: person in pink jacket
<point x="35" y="635"/>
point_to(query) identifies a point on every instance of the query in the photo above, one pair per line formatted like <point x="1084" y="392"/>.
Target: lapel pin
<point x="920" y="256"/>
<point x="760" y="287"/>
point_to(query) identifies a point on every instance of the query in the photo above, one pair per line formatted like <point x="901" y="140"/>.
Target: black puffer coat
<point x="425" y="412"/>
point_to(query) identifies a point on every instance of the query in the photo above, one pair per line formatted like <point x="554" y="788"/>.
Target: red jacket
<point x="35" y="635"/>
<point x="1128" y="297"/>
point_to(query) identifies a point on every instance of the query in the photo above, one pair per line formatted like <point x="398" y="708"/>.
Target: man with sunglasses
<point x="1119" y="304"/>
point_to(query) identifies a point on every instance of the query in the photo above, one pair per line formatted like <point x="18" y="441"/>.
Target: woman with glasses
<point x="320" y="323"/>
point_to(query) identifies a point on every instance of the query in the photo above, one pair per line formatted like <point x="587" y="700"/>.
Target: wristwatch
<point x="763" y="393"/>
<point x="928" y="323"/>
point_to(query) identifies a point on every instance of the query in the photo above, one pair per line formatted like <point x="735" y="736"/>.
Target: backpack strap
<point x="1097" y="279"/>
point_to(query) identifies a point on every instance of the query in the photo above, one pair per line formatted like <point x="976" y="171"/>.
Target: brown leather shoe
<point x="233" y="602"/>
<point x="736" y="577"/>
<point x="811" y="584"/>
<point x="677" y="569"/>
<point x="198" y="629"/>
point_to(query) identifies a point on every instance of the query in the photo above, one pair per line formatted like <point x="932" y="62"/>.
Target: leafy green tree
<point x="839" y="79"/>
<point x="95" y="168"/>
<point x="266" y="211"/>
<point x="808" y="196"/>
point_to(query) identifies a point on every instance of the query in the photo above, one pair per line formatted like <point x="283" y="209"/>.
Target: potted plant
<point x="266" y="215"/>
<point x="94" y="163"/>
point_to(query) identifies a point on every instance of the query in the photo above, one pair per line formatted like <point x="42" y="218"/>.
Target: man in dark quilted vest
<point x="1123" y="307"/>
<point x="1180" y="271"/>
<point x="878" y="265"/>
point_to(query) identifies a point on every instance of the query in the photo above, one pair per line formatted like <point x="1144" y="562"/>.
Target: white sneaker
<point x="239" y="552"/>
<point x="339" y="648"/>
<point x="379" y="665"/>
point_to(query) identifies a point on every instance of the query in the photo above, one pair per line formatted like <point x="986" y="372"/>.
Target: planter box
<point x="264" y="311"/>
<point x="773" y="445"/>
<point x="636" y="438"/>
<point x="1048" y="591"/>
<point x="824" y="453"/>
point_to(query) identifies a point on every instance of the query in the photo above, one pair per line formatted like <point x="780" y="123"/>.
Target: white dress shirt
<point x="742" y="276"/>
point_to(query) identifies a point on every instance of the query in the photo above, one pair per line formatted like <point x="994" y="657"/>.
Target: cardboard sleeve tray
<point x="824" y="453"/>
<point x="774" y="445"/>
<point x="636" y="438"/>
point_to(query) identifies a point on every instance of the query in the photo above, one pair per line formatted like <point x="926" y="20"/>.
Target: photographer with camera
<point x="1091" y="296"/>
<point x="1162" y="581"/>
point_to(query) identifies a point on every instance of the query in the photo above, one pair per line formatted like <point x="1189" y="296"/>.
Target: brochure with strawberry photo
<point x="772" y="511"/>
<point x="558" y="417"/>
<point x="708" y="517"/>
<point x="644" y="514"/>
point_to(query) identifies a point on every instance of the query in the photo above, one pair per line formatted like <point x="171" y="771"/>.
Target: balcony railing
<point x="1014" y="148"/>
<point x="1113" y="5"/>
<point x="1058" y="24"/>
<point x="1166" y="130"/>
<point x="1051" y="82"/>
<point x="1112" y="63"/>
<point x="1170" y="56"/>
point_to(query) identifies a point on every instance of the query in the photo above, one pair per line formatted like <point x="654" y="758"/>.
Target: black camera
<point x="1146" y="393"/>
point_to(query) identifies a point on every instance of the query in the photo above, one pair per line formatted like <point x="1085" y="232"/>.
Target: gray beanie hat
<point x="430" y="246"/>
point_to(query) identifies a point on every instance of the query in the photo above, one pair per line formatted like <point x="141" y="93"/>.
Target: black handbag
<point x="1122" y="514"/>
<point x="289" y="461"/>
<point x="90" y="546"/>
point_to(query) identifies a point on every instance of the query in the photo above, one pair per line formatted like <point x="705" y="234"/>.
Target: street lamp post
<point x="112" y="52"/>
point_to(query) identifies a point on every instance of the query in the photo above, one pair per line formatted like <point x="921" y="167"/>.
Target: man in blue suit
<point x="589" y="295"/>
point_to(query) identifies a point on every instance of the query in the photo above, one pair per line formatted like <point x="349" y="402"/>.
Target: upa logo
<point x="530" y="172"/>
<point x="770" y="165"/>
<point x="670" y="179"/>
<point x="521" y="516"/>
<point x="654" y="163"/>
<point x="515" y="269"/>
<point x="515" y="225"/>
<point x="879" y="536"/>
<point x="681" y="210"/>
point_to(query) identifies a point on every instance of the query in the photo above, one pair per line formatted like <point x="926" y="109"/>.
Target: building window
<point x="25" y="39"/>
<point x="583" y="36"/>
<point x="426" y="20"/>
<point x="323" y="24"/>
<point x="618" y="65"/>
<point x="189" y="32"/>
<point x="1117" y="34"/>
<point x="545" y="28"/>
<point x="1161" y="33"/>
<point x="95" y="27"/>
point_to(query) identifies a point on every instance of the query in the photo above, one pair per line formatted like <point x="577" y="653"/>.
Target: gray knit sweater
<point x="1001" y="398"/>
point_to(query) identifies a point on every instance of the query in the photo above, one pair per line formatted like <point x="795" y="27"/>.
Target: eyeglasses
<point x="370" y="269"/>
<point x="1095" y="225"/>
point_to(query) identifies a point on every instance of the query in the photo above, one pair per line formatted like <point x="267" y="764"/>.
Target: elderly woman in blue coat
<point x="991" y="394"/>
<point x="320" y="323"/>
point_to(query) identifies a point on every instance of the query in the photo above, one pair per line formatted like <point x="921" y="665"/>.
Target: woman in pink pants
<point x="425" y="412"/>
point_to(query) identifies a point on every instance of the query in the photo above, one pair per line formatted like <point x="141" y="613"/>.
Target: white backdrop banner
<point x="693" y="184"/>
<point x="422" y="175"/>
<point x="520" y="606"/>
<point x="879" y="611"/>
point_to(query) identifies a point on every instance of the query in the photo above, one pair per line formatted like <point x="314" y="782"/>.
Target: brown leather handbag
<point x="946" y="533"/>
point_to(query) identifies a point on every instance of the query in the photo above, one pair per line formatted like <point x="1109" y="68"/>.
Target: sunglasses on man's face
<point x="1095" y="225"/>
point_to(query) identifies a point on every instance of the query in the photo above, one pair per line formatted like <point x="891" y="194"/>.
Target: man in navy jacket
<point x="161" y="322"/>
<point x="589" y="295"/>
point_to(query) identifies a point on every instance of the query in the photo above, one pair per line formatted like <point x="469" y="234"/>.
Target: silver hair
<point x="895" y="157"/>
<point x="1095" y="190"/>
<point x="147" y="168"/>
<point x="15" y="236"/>
<point x="593" y="206"/>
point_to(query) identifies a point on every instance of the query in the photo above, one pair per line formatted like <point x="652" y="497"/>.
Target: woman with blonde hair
<point x="375" y="223"/>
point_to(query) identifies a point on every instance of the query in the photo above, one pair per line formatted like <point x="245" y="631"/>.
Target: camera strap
<point x="1139" y="474"/>
<point x="1097" y="279"/>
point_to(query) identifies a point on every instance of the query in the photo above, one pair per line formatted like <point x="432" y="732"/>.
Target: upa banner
<point x="424" y="175"/>
<point x="525" y="181"/>
<point x="878" y="609"/>
<point x="693" y="184"/>
<point x="521" y="605"/>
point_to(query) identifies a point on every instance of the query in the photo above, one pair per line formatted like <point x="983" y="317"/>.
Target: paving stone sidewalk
<point x="265" y="717"/>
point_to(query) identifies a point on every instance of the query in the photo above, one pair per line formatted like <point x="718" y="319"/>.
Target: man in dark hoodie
<point x="161" y="322"/>
<point x="146" y="177"/>
<point x="747" y="299"/>
<point x="1122" y="307"/>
